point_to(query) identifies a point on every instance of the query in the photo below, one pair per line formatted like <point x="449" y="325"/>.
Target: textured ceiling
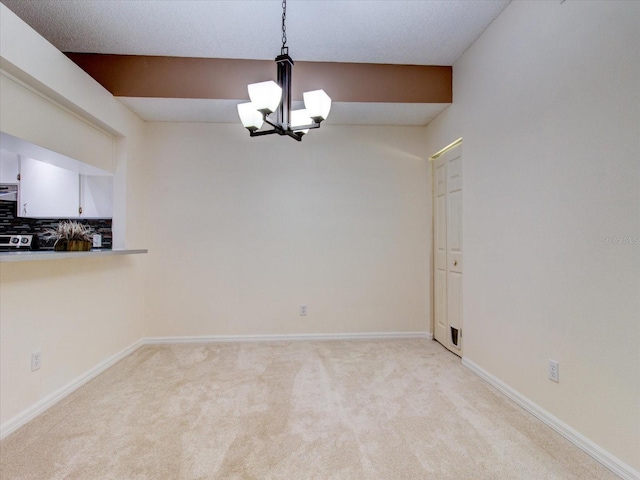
<point x="414" y="32"/>
<point x="418" y="32"/>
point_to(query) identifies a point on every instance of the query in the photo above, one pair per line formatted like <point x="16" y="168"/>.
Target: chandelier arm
<point x="305" y="127"/>
<point x="279" y="131"/>
<point x="273" y="124"/>
<point x="294" y="135"/>
<point x="261" y="133"/>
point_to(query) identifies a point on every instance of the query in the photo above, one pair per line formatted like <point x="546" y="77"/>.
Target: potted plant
<point x="70" y="235"/>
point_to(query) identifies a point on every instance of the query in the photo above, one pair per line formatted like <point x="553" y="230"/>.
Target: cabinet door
<point x="96" y="196"/>
<point x="8" y="166"/>
<point x="47" y="191"/>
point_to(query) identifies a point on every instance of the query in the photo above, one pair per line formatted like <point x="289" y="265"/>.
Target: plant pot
<point x="72" y="246"/>
<point x="78" y="246"/>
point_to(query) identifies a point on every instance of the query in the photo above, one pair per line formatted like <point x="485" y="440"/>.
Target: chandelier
<point x="271" y="102"/>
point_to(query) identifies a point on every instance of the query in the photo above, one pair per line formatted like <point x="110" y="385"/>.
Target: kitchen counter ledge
<point x="28" y="256"/>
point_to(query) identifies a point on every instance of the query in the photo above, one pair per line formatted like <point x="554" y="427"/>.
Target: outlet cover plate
<point x="36" y="360"/>
<point x="554" y="371"/>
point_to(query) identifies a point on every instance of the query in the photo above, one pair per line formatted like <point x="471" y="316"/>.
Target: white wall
<point x="78" y="313"/>
<point x="81" y="312"/>
<point x="548" y="103"/>
<point x="30" y="116"/>
<point x="243" y="230"/>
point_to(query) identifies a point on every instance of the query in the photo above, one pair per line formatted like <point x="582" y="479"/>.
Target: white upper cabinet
<point x="8" y="166"/>
<point x="53" y="185"/>
<point x="96" y="196"/>
<point x="47" y="191"/>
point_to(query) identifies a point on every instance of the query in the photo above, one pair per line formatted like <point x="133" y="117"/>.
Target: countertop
<point x="31" y="255"/>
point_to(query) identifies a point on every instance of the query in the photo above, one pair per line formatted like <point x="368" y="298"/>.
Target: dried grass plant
<point x="69" y="230"/>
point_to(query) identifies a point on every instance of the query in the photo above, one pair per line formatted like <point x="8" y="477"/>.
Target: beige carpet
<point x="389" y="409"/>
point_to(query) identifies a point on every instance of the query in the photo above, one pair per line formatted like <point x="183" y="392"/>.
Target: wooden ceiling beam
<point x="215" y="78"/>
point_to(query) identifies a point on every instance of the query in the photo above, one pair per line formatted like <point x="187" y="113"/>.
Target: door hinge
<point x="80" y="210"/>
<point x="18" y="177"/>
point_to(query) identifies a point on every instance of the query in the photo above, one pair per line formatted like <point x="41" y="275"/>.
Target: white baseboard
<point x="286" y="337"/>
<point x="614" y="464"/>
<point x="49" y="401"/>
<point x="30" y="413"/>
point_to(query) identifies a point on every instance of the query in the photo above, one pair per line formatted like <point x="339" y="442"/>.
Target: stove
<point x="9" y="243"/>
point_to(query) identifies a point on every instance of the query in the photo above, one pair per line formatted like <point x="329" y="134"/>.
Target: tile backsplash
<point x="11" y="224"/>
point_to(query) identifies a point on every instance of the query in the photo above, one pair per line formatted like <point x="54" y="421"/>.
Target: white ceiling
<point x="418" y="32"/>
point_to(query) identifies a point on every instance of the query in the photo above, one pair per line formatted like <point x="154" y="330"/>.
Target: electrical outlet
<point x="303" y="310"/>
<point x="36" y="359"/>
<point x="554" y="371"/>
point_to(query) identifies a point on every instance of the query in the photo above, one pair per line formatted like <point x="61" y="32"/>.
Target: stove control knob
<point x="24" y="240"/>
<point x="14" y="240"/>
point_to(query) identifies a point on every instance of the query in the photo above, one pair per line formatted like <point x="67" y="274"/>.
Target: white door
<point x="440" y="250"/>
<point x="447" y="244"/>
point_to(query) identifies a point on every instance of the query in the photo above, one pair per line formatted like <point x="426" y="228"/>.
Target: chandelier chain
<point x="284" y="28"/>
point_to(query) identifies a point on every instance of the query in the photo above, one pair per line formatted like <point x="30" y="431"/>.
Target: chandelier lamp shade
<point x="271" y="102"/>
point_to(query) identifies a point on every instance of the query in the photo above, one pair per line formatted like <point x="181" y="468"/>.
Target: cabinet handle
<point x="455" y="262"/>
